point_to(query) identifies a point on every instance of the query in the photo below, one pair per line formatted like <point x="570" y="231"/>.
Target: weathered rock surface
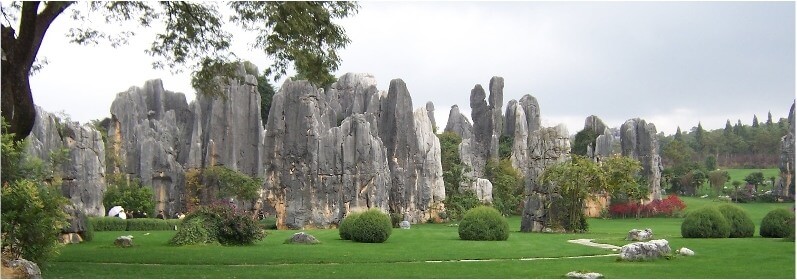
<point x="639" y="141"/>
<point x="602" y="147"/>
<point x="645" y="250"/>
<point x="405" y="224"/>
<point x="77" y="220"/>
<point x="459" y="124"/>
<point x="302" y="238"/>
<point x="547" y="146"/>
<point x="430" y="112"/>
<point x="639" y="235"/>
<point x="786" y="183"/>
<point x="149" y="134"/>
<point x="413" y="151"/>
<point x="585" y="275"/>
<point x="487" y="118"/>
<point x="328" y="152"/>
<point x="124" y="241"/>
<point x="21" y="269"/>
<point x="83" y="171"/>
<point x="483" y="189"/>
<point x="70" y="238"/>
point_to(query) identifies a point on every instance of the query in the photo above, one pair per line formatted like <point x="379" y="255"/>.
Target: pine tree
<point x="769" y="119"/>
<point x="728" y="128"/>
<point x="755" y="121"/>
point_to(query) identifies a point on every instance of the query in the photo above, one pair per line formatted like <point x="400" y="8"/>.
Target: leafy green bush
<point x="741" y="224"/>
<point x="32" y="217"/>
<point x="371" y="226"/>
<point x="108" y="223"/>
<point x="483" y="223"/>
<point x="395" y="219"/>
<point x="706" y="222"/>
<point x="777" y="223"/>
<point x="191" y="231"/>
<point x="221" y="223"/>
<point x="129" y="194"/>
<point x="239" y="230"/>
<point x="88" y="234"/>
<point x="344" y="229"/>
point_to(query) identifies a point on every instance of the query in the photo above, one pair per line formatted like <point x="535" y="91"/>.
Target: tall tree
<point x="699" y="139"/>
<point x="678" y="134"/>
<point x="266" y="93"/>
<point x="769" y="119"/>
<point x="301" y="33"/>
<point x="755" y="121"/>
<point x="728" y="128"/>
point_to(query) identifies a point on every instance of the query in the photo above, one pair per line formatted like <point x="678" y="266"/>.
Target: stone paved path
<point x="588" y="242"/>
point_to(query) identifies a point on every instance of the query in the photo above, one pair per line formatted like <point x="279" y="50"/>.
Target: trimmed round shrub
<point x="777" y="223"/>
<point x="344" y="229"/>
<point x="706" y="222"/>
<point x="371" y="226"/>
<point x="741" y="224"/>
<point x="483" y="223"/>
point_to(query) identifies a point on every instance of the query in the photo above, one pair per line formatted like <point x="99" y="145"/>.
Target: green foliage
<point x="583" y="139"/>
<point x="129" y="194"/>
<point x="505" y="146"/>
<point x="221" y="223"/>
<point x="232" y="183"/>
<point x="139" y="224"/>
<point x="457" y="200"/>
<point x="711" y="163"/>
<point x="483" y="223"/>
<point x="755" y="178"/>
<point x="32" y="210"/>
<point x="345" y="227"/>
<point x="459" y="203"/>
<point x="741" y="224"/>
<point x="88" y="234"/>
<point x="239" y="230"/>
<point x="32" y="218"/>
<point x="371" y="226"/>
<point x="108" y="223"/>
<point x="777" y="223"/>
<point x="576" y="179"/>
<point x="706" y="222"/>
<point x="266" y="91"/>
<point x="204" y="185"/>
<point x="507" y="186"/>
<point x="191" y="232"/>
<point x="717" y="179"/>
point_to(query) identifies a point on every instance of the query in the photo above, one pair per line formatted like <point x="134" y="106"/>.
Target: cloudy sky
<point x="670" y="63"/>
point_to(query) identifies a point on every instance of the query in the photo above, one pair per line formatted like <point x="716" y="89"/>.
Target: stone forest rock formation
<point x="83" y="172"/>
<point x="156" y="135"/>
<point x="546" y="146"/>
<point x="602" y="147"/>
<point x="328" y="152"/>
<point x="638" y="140"/>
<point x="785" y="186"/>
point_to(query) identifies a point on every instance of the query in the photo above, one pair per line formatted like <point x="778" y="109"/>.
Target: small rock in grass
<point x="124" y="241"/>
<point x="404" y="225"/>
<point x="645" y="250"/>
<point x="302" y="238"/>
<point x="585" y="275"/>
<point x="685" y="252"/>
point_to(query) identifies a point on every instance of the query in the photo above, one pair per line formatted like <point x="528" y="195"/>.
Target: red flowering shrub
<point x="668" y="207"/>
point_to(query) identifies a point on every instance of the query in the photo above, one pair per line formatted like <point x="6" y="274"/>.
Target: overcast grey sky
<point x="670" y="63"/>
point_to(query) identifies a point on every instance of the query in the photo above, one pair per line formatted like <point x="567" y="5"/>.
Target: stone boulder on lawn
<point x="645" y="250"/>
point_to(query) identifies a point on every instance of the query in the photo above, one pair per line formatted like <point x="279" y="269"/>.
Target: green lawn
<point x="739" y="175"/>
<point x="418" y="252"/>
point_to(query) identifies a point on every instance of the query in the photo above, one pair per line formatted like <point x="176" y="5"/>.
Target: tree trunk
<point x="20" y="48"/>
<point x="17" y="101"/>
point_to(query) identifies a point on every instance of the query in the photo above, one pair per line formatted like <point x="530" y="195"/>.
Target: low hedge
<point x="483" y="223"/>
<point x="140" y="224"/>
